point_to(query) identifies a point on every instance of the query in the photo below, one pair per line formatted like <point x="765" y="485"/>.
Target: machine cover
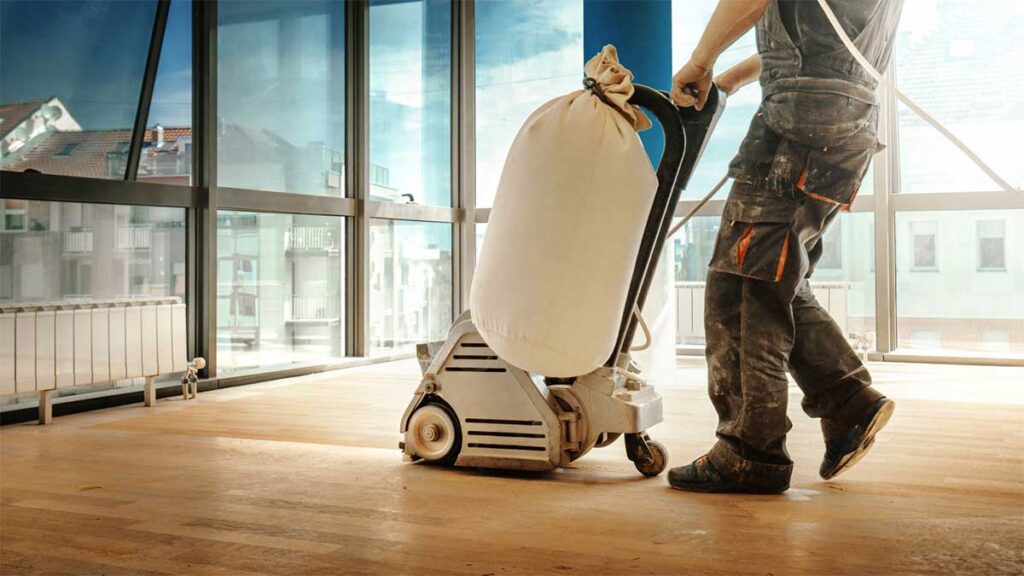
<point x="562" y="238"/>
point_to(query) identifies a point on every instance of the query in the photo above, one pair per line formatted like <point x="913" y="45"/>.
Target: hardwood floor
<point x="304" y="476"/>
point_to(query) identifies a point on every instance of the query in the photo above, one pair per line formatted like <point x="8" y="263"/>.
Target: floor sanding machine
<point x="472" y="408"/>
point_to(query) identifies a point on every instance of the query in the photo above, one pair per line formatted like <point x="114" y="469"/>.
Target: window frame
<point x="979" y="252"/>
<point x="912" y="245"/>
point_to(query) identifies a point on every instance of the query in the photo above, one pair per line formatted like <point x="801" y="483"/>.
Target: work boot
<point x="845" y="446"/>
<point x="702" y="476"/>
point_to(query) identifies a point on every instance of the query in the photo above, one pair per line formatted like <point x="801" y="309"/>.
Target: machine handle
<point x="686" y="131"/>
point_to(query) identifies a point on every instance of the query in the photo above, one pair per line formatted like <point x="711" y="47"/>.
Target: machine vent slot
<point x="474" y="357"/>
<point x="499" y="421"/>
<point x="473" y="345"/>
<point x="507" y="447"/>
<point x="464" y="369"/>
<point x="506" y="434"/>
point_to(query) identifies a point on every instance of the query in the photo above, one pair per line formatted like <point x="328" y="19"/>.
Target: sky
<point x="97" y="65"/>
<point x="94" y="68"/>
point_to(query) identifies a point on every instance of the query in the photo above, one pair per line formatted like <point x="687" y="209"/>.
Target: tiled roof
<point x="12" y="114"/>
<point x="85" y="153"/>
<point x="82" y="153"/>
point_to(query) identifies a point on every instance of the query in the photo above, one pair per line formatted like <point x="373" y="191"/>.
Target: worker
<point x="800" y="164"/>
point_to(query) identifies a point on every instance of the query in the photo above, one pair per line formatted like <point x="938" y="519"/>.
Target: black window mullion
<point x="356" y="173"/>
<point x="202" y="264"/>
<point x="156" y="43"/>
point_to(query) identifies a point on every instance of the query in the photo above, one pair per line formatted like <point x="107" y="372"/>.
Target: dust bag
<point x="563" y="235"/>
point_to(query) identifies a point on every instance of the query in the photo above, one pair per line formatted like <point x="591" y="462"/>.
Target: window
<point x="410" y="284"/>
<point x="526" y="54"/>
<point x="68" y="149"/>
<point x="57" y="251"/>
<point x="961" y="300"/>
<point x="832" y="247"/>
<point x="281" y="96"/>
<point x="693" y="246"/>
<point x="940" y="43"/>
<point x="480" y="231"/>
<point x="13" y="214"/>
<point x="923" y="237"/>
<point x="279" y="289"/>
<point x="410" y="101"/>
<point x="70" y="83"/>
<point x="925" y="339"/>
<point x="992" y="245"/>
<point x="688" y="21"/>
<point x="166" y="153"/>
<point x="994" y="341"/>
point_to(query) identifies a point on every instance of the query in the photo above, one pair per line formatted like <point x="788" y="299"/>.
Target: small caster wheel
<point x="656" y="463"/>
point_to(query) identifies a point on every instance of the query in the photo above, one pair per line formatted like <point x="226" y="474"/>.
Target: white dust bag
<point x="563" y="235"/>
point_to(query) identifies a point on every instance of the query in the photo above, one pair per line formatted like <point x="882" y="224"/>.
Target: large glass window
<point x="166" y="154"/>
<point x="940" y="43"/>
<point x="59" y="250"/>
<point x="971" y="299"/>
<point x="692" y="247"/>
<point x="844" y="278"/>
<point x="526" y="54"/>
<point x="279" y="289"/>
<point x="281" y="96"/>
<point x="410" y="101"/>
<point x="410" y="284"/>
<point x="70" y="84"/>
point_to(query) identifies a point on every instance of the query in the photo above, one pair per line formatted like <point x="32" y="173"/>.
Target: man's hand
<point x="691" y="84"/>
<point x="730" y="20"/>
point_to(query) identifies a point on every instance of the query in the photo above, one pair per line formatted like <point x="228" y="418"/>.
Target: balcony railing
<point x="313" y="308"/>
<point x="78" y="242"/>
<point x="132" y="238"/>
<point x="312" y="238"/>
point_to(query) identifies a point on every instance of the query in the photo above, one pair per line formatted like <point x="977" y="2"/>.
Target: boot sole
<point x="727" y="488"/>
<point x="878" y="422"/>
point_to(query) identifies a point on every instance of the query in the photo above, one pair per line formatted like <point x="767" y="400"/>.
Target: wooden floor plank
<point x="304" y="476"/>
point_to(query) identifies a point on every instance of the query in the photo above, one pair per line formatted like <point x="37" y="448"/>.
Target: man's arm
<point x="731" y="19"/>
<point x="739" y="75"/>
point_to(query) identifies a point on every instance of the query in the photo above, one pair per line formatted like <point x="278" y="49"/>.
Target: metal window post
<point x="463" y="151"/>
<point x="202" y="217"/>
<point x="357" y="141"/>
<point x="156" y="42"/>
<point x="887" y="182"/>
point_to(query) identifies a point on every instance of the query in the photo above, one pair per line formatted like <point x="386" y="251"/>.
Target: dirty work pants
<point x="762" y="321"/>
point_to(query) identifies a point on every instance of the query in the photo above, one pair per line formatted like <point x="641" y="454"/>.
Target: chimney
<point x="159" y="136"/>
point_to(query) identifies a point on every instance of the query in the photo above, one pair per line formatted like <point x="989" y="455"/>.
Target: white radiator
<point x="48" y="345"/>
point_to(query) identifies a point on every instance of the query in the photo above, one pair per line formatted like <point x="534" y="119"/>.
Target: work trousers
<point x="762" y="321"/>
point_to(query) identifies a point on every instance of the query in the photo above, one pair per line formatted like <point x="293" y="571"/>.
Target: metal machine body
<point x="474" y="409"/>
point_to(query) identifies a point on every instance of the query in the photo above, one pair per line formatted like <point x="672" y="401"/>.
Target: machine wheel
<point x="434" y="434"/>
<point x="656" y="463"/>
